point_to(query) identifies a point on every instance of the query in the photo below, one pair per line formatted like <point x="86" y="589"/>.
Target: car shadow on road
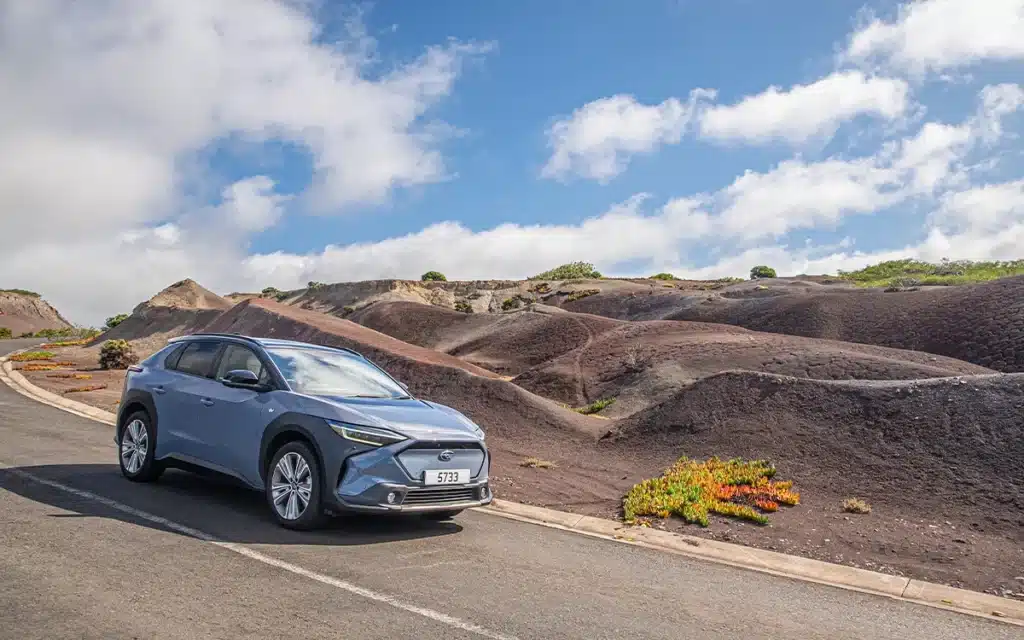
<point x="223" y="510"/>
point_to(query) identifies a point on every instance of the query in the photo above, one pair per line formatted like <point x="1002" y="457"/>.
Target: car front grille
<point x="440" y="495"/>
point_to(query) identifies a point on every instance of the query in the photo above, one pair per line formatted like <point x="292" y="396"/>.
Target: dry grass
<point x="71" y="376"/>
<point x="856" y="505"/>
<point x="595" y="406"/>
<point x="32" y="356"/>
<point x="537" y="463"/>
<point x="91" y="387"/>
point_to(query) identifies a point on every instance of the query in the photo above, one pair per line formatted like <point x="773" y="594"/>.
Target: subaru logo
<point x="445" y="455"/>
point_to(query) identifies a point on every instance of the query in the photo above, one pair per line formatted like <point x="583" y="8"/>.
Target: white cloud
<point x="105" y="101"/>
<point x="806" y="111"/>
<point x="982" y="209"/>
<point x="599" y="138"/>
<point x="251" y="204"/>
<point x="935" y="35"/>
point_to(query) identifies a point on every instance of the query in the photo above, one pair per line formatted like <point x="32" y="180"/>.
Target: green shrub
<point x="595" y="406"/>
<point x="5" y="333"/>
<point x="21" y="292"/>
<point x="463" y="306"/>
<point x="572" y="270"/>
<point x="511" y="303"/>
<point x="113" y="321"/>
<point x="762" y="271"/>
<point x="117" y="354"/>
<point x="945" y="272"/>
<point x="902" y="283"/>
<point x="347" y="310"/>
<point x="582" y="293"/>
<point x="663" y="276"/>
<point x="433" y="276"/>
<point x="313" y="285"/>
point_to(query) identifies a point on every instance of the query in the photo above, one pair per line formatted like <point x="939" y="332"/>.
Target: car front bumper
<point x="391" y="497"/>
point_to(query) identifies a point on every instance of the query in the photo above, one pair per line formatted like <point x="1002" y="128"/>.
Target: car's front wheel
<point x="137" y="449"/>
<point x="293" y="487"/>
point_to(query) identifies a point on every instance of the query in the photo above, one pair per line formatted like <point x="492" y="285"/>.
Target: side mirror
<point x="240" y="378"/>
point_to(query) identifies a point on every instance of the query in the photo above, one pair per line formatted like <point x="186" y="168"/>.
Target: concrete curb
<point x="780" y="564"/>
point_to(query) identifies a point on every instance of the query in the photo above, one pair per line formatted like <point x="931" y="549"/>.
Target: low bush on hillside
<point x="944" y="272"/>
<point x="570" y="271"/>
<point x="5" y="333"/>
<point x="433" y="276"/>
<point x="275" y="293"/>
<point x="856" y="505"/>
<point x="117" y="354"/>
<point x="663" y="276"/>
<point x="540" y="288"/>
<point x="514" y="302"/>
<point x="21" y="292"/>
<point x="762" y="271"/>
<point x="691" y="489"/>
<point x="537" y="463"/>
<point x="582" y="293"/>
<point x="31" y="356"/>
<point x="313" y="285"/>
<point x="463" y="306"/>
<point x="113" y="321"/>
<point x="595" y="407"/>
<point x="902" y="283"/>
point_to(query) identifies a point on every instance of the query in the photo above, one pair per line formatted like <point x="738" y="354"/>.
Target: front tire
<point x="136" y="449"/>
<point x="293" y="487"/>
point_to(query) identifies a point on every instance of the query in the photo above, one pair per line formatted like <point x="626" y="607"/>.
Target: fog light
<point x="483" y="493"/>
<point x="392" y="498"/>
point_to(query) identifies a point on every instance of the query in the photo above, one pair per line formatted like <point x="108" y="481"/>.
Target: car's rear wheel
<point x="441" y="515"/>
<point x="136" y="449"/>
<point x="293" y="487"/>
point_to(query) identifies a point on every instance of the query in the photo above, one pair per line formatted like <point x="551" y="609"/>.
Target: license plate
<point x="446" y="476"/>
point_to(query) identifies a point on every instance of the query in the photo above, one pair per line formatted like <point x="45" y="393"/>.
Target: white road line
<point x="383" y="598"/>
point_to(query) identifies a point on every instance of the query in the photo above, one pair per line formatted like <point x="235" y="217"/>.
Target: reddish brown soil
<point x="643" y="363"/>
<point x="27" y="314"/>
<point x="507" y="343"/>
<point x="982" y="323"/>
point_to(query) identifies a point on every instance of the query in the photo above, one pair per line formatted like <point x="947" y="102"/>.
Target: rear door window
<point x="197" y="358"/>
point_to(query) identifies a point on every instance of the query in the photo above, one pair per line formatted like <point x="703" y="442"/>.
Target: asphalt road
<point x="87" y="554"/>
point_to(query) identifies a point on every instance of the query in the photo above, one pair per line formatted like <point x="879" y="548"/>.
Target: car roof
<point x="266" y="343"/>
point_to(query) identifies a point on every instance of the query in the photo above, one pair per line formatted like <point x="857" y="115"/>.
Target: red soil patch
<point x="982" y="323"/>
<point x="643" y="363"/>
<point x="507" y="343"/>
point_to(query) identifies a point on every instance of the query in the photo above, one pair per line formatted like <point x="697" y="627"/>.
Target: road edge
<point x="795" y="567"/>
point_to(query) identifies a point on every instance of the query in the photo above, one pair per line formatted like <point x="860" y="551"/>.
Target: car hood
<point x="412" y="418"/>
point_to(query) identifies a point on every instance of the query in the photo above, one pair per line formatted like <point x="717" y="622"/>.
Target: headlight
<point x="366" y="435"/>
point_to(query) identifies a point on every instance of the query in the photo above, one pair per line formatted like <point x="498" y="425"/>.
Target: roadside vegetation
<point x="113" y="321"/>
<point x="117" y="354"/>
<point x="75" y="333"/>
<point x="570" y="271"/>
<point x="5" y="333"/>
<point x="903" y="274"/>
<point x="32" y="356"/>
<point x="691" y="489"/>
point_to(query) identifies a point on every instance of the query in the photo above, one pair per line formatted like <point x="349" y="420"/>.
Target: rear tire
<point x="293" y="487"/>
<point x="441" y="516"/>
<point x="136" y="449"/>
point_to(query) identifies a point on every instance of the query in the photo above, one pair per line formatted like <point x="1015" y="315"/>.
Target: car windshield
<point x="320" y="372"/>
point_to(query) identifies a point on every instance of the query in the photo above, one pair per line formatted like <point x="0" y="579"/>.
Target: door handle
<point x="207" y="402"/>
<point x="159" y="388"/>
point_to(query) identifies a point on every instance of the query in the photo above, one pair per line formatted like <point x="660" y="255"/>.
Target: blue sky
<point x="247" y="143"/>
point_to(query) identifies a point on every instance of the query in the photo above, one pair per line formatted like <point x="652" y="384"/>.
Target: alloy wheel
<point x="134" y="446"/>
<point x="291" y="486"/>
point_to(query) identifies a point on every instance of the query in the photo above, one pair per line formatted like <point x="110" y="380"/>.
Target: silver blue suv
<point x="319" y="430"/>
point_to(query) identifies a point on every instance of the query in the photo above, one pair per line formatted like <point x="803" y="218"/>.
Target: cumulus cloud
<point x="935" y="35"/>
<point x="111" y="105"/>
<point x="814" y="110"/>
<point x="598" y="140"/>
